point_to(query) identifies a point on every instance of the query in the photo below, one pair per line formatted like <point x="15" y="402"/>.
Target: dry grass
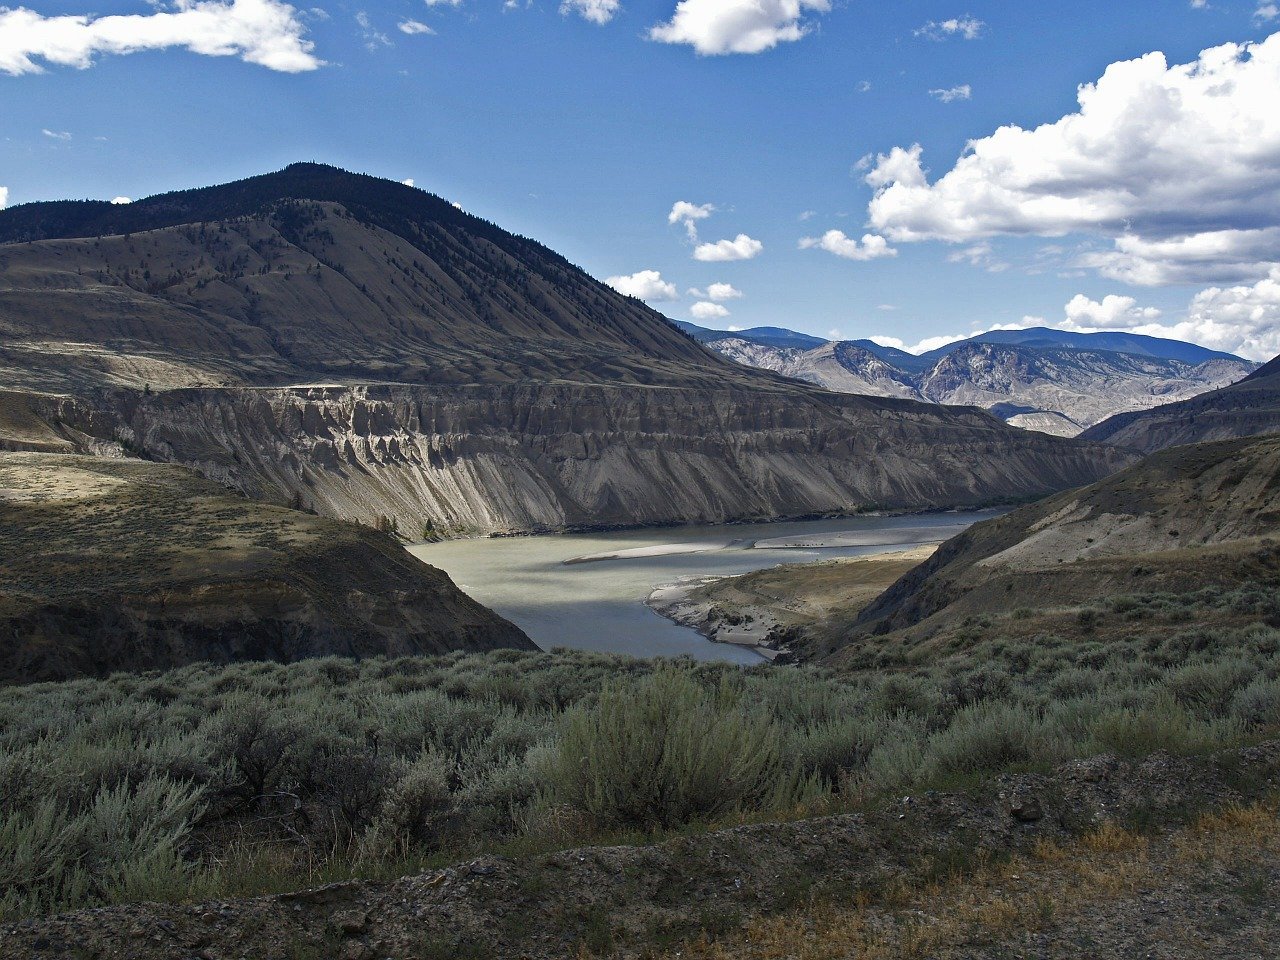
<point x="995" y="902"/>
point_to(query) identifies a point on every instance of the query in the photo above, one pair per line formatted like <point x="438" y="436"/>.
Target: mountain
<point x="1244" y="409"/>
<point x="765" y="336"/>
<point x="1188" y="525"/>
<point x="110" y="564"/>
<point x="309" y="274"/>
<point x="1051" y="381"/>
<point x="1111" y="342"/>
<point x="366" y="349"/>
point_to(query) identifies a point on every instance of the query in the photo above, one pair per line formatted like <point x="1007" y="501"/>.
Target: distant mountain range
<point x="1053" y="381"/>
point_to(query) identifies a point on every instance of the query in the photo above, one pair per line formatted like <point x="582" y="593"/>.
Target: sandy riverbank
<point x="782" y="610"/>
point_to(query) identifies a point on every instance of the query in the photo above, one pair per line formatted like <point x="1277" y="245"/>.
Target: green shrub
<point x="665" y="751"/>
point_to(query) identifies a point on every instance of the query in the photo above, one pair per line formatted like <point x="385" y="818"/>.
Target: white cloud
<point x="373" y="38"/>
<point x="714" y="27"/>
<point x="979" y="255"/>
<point x="723" y="291"/>
<point x="1267" y="11"/>
<point x="682" y="211"/>
<point x="1112" y="312"/>
<point x="703" y="310"/>
<point x="413" y="28"/>
<point x="4" y="197"/>
<point x="741" y="247"/>
<point x="597" y="11"/>
<point x="56" y="134"/>
<point x="644" y="285"/>
<point x="121" y="201"/>
<point x="864" y="86"/>
<point x="1244" y="320"/>
<point x="717" y="292"/>
<point x="952" y="94"/>
<point x="266" y="32"/>
<point x="1179" y="166"/>
<point x="968" y="27"/>
<point x="408" y="182"/>
<point x="872" y="247"/>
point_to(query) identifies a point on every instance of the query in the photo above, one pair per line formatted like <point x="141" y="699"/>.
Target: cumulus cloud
<point x="121" y="201"/>
<point x="4" y="197"/>
<point x="644" y="285"/>
<point x="413" y="28"/>
<point x="56" y="134"/>
<point x="952" y="94"/>
<point x="720" y="291"/>
<point x="1178" y="166"/>
<point x="871" y="247"/>
<point x="714" y="27"/>
<point x="1244" y="320"/>
<point x="682" y="211"/>
<point x="967" y="27"/>
<point x="1110" y="313"/>
<point x="740" y="247"/>
<point x="1267" y="11"/>
<point x="266" y="32"/>
<point x="704" y="310"/>
<point x="596" y="11"/>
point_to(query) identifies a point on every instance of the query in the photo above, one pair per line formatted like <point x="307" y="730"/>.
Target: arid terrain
<point x="114" y="564"/>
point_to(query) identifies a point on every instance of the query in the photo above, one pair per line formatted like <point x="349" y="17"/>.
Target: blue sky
<point x="585" y="134"/>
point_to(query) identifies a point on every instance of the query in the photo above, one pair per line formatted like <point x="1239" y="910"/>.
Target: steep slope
<point x="1183" y="519"/>
<point x="1050" y="381"/>
<point x="309" y="274"/>
<point x="118" y="565"/>
<point x="545" y="457"/>
<point x="366" y="349"/>
<point x="1244" y="409"/>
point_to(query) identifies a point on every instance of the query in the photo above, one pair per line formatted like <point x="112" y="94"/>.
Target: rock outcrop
<point x="488" y="459"/>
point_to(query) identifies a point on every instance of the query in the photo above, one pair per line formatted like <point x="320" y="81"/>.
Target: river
<point x="587" y="591"/>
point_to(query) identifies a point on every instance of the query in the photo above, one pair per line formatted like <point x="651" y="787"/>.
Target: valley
<point x="361" y="563"/>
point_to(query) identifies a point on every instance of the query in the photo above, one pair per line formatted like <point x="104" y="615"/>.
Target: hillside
<point x="366" y="349"/>
<point x="1244" y="409"/>
<point x="112" y="565"/>
<point x="303" y="275"/>
<point x="1187" y="519"/>
<point x="1051" y="381"/>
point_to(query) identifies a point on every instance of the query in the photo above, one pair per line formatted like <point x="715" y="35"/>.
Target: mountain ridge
<point x="467" y="378"/>
<point x="1057" y="382"/>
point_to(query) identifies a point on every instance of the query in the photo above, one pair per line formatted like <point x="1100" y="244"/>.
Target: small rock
<point x="1025" y="809"/>
<point x="349" y="922"/>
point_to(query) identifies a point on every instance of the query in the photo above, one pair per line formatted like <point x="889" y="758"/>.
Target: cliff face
<point x="547" y="457"/>
<point x="364" y="349"/>
<point x="120" y="565"/>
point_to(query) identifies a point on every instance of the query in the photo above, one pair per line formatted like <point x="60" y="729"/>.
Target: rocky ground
<point x="638" y="901"/>
<point x="780" y="610"/>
